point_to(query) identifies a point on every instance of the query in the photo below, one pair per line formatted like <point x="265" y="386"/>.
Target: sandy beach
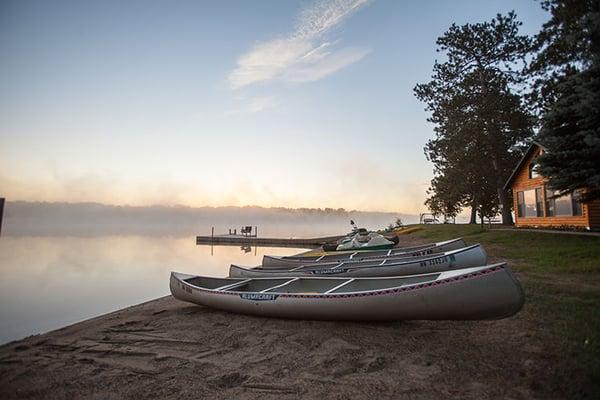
<point x="169" y="349"/>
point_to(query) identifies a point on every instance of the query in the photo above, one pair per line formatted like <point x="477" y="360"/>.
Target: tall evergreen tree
<point x="571" y="134"/>
<point x="479" y="118"/>
<point x="566" y="91"/>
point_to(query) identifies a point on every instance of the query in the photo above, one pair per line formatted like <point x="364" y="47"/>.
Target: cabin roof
<point x="534" y="146"/>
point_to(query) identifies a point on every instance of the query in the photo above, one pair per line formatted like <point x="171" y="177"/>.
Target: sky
<point x="213" y="103"/>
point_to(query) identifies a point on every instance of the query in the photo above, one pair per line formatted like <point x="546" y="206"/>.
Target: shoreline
<point x="167" y="349"/>
<point x="85" y="321"/>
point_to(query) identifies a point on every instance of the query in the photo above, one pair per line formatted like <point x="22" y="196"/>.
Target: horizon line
<point x="329" y="209"/>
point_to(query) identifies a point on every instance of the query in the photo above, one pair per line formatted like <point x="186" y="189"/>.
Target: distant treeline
<point x="44" y="218"/>
<point x="496" y="90"/>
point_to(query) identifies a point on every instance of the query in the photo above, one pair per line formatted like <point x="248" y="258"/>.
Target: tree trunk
<point x="473" y="219"/>
<point x="502" y="197"/>
<point x="506" y="214"/>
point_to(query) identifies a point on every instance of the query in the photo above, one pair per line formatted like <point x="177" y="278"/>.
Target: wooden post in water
<point x="256" y="231"/>
<point x="212" y="234"/>
<point x="1" y="212"/>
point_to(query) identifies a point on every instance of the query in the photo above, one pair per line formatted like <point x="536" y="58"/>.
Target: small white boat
<point x="415" y="251"/>
<point x="487" y="292"/>
<point x="363" y="242"/>
<point x="470" y="256"/>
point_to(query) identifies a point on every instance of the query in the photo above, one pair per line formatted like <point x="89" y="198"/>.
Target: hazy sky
<point x="273" y="103"/>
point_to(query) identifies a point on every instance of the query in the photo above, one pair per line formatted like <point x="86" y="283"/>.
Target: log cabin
<point x="535" y="203"/>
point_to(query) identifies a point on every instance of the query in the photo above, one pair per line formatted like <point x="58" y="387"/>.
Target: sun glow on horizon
<point x="237" y="192"/>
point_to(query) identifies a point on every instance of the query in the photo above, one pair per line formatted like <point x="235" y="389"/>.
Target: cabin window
<point x="520" y="204"/>
<point x="550" y="204"/>
<point x="529" y="203"/>
<point x="566" y="205"/>
<point x="576" y="202"/>
<point x="530" y="209"/>
<point x="533" y="170"/>
<point x="539" y="211"/>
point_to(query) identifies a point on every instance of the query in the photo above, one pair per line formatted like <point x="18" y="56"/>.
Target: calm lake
<point x="48" y="282"/>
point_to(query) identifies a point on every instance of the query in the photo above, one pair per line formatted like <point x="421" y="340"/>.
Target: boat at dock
<point x="470" y="256"/>
<point x="365" y="242"/>
<point x="414" y="251"/>
<point x="485" y="292"/>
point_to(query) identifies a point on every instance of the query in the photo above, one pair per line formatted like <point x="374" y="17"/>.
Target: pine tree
<point x="480" y="121"/>
<point x="571" y="133"/>
<point x="566" y="91"/>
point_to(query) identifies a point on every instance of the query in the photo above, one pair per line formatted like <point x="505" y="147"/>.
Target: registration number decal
<point x="435" y="261"/>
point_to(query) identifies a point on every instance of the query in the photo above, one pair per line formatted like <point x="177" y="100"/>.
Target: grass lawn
<point x="561" y="277"/>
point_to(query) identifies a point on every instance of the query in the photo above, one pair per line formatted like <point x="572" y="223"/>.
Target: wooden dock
<point x="237" y="240"/>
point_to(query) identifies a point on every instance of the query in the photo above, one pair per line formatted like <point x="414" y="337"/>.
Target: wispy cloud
<point x="305" y="55"/>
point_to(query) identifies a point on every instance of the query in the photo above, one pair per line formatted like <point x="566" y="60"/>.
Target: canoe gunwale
<point x="494" y="268"/>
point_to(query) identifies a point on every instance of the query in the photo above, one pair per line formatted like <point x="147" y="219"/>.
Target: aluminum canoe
<point x="470" y="256"/>
<point x="415" y="251"/>
<point x="486" y="292"/>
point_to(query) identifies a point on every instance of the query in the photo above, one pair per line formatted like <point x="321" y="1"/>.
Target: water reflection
<point x="52" y="281"/>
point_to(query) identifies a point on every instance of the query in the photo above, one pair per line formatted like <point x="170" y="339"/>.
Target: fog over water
<point x="89" y="219"/>
<point x="62" y="263"/>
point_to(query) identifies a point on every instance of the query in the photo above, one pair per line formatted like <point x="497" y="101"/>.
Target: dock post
<point x="256" y="231"/>
<point x="1" y="212"/>
<point x="212" y="234"/>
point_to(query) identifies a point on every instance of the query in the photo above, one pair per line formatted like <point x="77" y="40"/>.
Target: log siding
<point x="520" y="181"/>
